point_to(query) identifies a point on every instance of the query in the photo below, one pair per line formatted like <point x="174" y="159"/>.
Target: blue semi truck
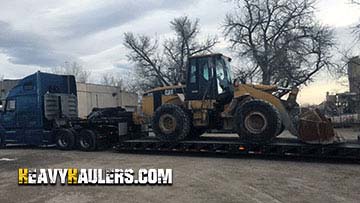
<point x="42" y="109"/>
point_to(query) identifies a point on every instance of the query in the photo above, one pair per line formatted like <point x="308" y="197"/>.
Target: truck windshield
<point x="223" y="75"/>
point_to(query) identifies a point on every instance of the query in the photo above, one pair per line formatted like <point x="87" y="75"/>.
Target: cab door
<point x="9" y="122"/>
<point x="200" y="80"/>
<point x="27" y="118"/>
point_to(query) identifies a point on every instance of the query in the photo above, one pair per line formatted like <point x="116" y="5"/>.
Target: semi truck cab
<point x="35" y="106"/>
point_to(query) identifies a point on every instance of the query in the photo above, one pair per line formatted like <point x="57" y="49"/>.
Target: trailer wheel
<point x="65" y="139"/>
<point x="171" y="123"/>
<point x="257" y="121"/>
<point x="2" y="141"/>
<point x="87" y="140"/>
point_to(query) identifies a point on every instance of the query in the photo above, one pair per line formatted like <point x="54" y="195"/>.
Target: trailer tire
<point x="171" y="123"/>
<point x="2" y="141"/>
<point x="87" y="140"/>
<point x="257" y="121"/>
<point x="65" y="139"/>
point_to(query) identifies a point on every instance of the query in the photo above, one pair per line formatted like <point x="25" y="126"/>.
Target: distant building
<point x="342" y="103"/>
<point x="93" y="95"/>
<point x="89" y="96"/>
<point x="354" y="74"/>
<point x="346" y="103"/>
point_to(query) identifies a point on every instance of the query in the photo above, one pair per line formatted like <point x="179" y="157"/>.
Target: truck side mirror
<point x="2" y="106"/>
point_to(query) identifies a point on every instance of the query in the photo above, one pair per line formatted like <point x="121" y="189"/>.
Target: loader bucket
<point x="315" y="128"/>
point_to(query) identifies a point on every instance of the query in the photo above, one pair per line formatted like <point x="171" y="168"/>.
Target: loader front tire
<point x="257" y="121"/>
<point x="171" y="123"/>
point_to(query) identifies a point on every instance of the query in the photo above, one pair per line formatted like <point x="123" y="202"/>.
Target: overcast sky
<point x="36" y="35"/>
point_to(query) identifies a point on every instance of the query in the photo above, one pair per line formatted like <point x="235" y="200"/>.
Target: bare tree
<point x="183" y="45"/>
<point x="74" y="69"/>
<point x="356" y="29"/>
<point x="341" y="73"/>
<point x="165" y="65"/>
<point x="114" y="80"/>
<point x="281" y="38"/>
<point x="149" y="64"/>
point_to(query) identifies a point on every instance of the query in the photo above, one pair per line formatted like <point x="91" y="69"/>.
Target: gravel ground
<point x="196" y="178"/>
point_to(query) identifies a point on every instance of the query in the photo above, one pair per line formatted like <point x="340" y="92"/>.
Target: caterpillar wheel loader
<point x="211" y="100"/>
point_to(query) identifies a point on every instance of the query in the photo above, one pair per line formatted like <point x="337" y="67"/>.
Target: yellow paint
<point x="258" y="94"/>
<point x="199" y="104"/>
<point x="266" y="88"/>
<point x="138" y="119"/>
<point x="171" y="99"/>
<point x="72" y="176"/>
<point x="23" y="176"/>
<point x="165" y="88"/>
<point x="201" y="118"/>
<point x="148" y="105"/>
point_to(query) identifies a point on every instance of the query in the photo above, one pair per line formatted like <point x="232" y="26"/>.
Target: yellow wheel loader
<point x="211" y="100"/>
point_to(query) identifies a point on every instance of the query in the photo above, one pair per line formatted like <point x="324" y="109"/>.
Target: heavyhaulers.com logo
<point x="74" y="176"/>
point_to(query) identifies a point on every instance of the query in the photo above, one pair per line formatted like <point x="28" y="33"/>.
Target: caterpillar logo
<point x="74" y="176"/>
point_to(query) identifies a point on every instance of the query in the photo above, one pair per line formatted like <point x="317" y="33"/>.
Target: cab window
<point x="28" y="86"/>
<point x="220" y="76"/>
<point x="10" y="105"/>
<point x="193" y="72"/>
<point x="223" y="76"/>
<point x="206" y="74"/>
<point x="204" y="67"/>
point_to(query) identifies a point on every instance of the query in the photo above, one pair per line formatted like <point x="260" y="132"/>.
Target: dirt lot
<point x="196" y="178"/>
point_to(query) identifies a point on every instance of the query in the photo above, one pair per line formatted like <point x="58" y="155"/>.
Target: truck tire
<point x="65" y="139"/>
<point x="87" y="140"/>
<point x="171" y="123"/>
<point x="2" y="141"/>
<point x="257" y="121"/>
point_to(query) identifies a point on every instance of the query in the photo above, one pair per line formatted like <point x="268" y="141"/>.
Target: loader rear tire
<point x="171" y="123"/>
<point x="257" y="121"/>
<point x="87" y="140"/>
<point x="65" y="139"/>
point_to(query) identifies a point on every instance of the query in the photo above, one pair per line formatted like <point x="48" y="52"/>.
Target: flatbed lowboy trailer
<point x="42" y="110"/>
<point x="280" y="147"/>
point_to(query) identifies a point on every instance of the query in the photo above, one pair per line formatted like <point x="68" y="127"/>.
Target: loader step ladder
<point x="280" y="147"/>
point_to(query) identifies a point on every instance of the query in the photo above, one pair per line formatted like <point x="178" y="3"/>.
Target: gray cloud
<point x="30" y="47"/>
<point x="55" y="31"/>
<point x="27" y="48"/>
<point x="113" y="14"/>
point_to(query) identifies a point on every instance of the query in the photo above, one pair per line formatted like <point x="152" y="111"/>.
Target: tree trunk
<point x="266" y="77"/>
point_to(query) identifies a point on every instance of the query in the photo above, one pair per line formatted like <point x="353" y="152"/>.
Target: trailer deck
<point x="280" y="147"/>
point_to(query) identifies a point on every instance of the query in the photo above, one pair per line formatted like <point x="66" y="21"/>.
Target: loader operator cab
<point x="209" y="77"/>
